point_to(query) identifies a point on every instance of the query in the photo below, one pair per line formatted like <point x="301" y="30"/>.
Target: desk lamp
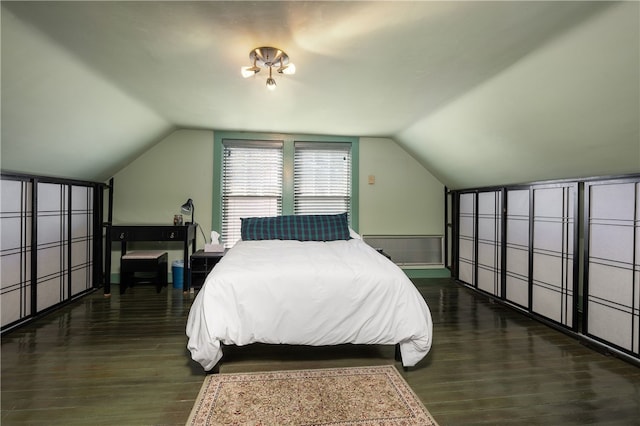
<point x="188" y="208"/>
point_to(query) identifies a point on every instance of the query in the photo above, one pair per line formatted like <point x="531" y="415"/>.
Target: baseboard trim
<point x="427" y="273"/>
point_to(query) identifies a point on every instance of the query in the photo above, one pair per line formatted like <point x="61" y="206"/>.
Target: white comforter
<point x="307" y="293"/>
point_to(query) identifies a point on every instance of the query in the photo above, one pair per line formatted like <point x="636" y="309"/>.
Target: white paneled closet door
<point x="612" y="291"/>
<point x="15" y="256"/>
<point x="517" y="247"/>
<point x="466" y="238"/>
<point x="553" y="284"/>
<point x="490" y="242"/>
<point x="81" y="239"/>
<point x="52" y="247"/>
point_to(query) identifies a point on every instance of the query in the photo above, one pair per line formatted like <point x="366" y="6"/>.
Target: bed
<point x="319" y="291"/>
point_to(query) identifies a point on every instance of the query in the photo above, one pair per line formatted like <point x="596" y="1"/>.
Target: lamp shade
<point x="187" y="208"/>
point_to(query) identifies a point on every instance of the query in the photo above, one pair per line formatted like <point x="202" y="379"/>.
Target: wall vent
<point x="410" y="250"/>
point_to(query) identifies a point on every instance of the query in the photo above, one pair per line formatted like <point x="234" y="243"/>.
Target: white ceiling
<point x="481" y="93"/>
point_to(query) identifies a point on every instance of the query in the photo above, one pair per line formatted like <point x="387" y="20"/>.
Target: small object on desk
<point x="177" y="220"/>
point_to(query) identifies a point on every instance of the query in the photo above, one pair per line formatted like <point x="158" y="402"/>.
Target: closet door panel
<point x="466" y="261"/>
<point x="553" y="243"/>
<point x="548" y="236"/>
<point x="517" y="285"/>
<point x="488" y="273"/>
<point x="52" y="237"/>
<point x="517" y="247"/>
<point x="487" y="281"/>
<point x="612" y="242"/>
<point x="52" y="229"/>
<point x="545" y="302"/>
<point x="466" y="239"/>
<point x="635" y="304"/>
<point x="15" y="244"/>
<point x="489" y="242"/>
<point x="518" y="231"/>
<point x="618" y="289"/>
<point x="613" y="201"/>
<point x="612" y="299"/>
<point x="547" y="297"/>
<point x="518" y="290"/>
<point x="81" y="268"/>
<point x="601" y="318"/>
<point x="81" y="239"/>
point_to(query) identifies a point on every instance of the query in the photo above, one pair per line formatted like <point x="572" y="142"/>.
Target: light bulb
<point x="289" y="69"/>
<point x="246" y="72"/>
<point x="249" y="71"/>
<point x="271" y="84"/>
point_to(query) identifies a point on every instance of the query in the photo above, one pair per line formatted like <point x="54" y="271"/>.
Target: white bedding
<point x="307" y="293"/>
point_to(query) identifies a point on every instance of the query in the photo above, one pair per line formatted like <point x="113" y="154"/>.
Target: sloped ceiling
<point x="481" y="93"/>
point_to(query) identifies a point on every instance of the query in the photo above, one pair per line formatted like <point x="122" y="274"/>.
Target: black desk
<point x="126" y="233"/>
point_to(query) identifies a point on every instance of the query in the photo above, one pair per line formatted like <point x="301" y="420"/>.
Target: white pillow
<point x="353" y="234"/>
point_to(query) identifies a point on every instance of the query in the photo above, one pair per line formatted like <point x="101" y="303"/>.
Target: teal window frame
<point x="288" y="151"/>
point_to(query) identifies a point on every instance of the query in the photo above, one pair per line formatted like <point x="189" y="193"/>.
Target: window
<point x="251" y="182"/>
<point x="274" y="174"/>
<point x="322" y="178"/>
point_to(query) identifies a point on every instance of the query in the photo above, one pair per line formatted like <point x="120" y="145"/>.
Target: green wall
<point x="405" y="199"/>
<point x="152" y="188"/>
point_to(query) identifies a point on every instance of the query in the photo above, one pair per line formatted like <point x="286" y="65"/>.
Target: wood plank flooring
<point x="122" y="361"/>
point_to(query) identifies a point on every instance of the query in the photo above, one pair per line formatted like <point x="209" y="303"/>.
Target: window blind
<point x="322" y="178"/>
<point x="251" y="183"/>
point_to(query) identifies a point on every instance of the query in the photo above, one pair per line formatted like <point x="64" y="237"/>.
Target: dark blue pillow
<point x="296" y="227"/>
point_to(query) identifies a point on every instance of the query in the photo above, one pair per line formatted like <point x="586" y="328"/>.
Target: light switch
<point x="372" y="179"/>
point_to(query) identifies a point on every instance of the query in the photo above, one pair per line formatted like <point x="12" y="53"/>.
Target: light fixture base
<point x="269" y="57"/>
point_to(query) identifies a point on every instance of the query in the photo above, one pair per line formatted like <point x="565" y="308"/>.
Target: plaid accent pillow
<point x="296" y="227"/>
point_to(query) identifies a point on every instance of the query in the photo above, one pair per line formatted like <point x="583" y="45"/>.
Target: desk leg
<point x="185" y="270"/>
<point x="107" y="267"/>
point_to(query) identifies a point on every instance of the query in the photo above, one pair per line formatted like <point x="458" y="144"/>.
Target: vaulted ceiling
<point x="480" y="93"/>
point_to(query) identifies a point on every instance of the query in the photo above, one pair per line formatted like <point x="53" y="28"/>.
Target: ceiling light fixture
<point x="268" y="57"/>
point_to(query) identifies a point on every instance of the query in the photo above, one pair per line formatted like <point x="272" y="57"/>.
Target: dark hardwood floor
<point x="122" y="361"/>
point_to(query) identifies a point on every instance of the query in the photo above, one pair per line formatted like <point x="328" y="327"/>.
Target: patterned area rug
<point x="331" y="396"/>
